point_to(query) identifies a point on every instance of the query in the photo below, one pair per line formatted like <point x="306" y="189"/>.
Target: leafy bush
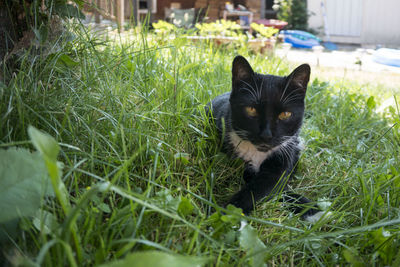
<point x="262" y="31"/>
<point x="219" y="28"/>
<point x="294" y="12"/>
<point x="164" y="28"/>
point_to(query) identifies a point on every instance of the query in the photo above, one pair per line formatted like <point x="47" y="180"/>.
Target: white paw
<point x="317" y="216"/>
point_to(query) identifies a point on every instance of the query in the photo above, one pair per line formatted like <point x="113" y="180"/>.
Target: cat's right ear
<point x="241" y="70"/>
<point x="300" y="77"/>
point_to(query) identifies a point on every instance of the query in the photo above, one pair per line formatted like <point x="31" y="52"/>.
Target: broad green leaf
<point x="104" y="208"/>
<point x="214" y="219"/>
<point x="230" y="237"/>
<point x="23" y="183"/>
<point x="383" y="242"/>
<point x="66" y="60"/>
<point x="159" y="259"/>
<point x="250" y="243"/>
<point x="234" y="210"/>
<point x="44" y="143"/>
<point x="45" y="221"/>
<point x="166" y="200"/>
<point x="352" y="258"/>
<point x="185" y="206"/>
<point x="49" y="148"/>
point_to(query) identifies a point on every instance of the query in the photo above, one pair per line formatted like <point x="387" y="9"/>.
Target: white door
<point x="344" y="17"/>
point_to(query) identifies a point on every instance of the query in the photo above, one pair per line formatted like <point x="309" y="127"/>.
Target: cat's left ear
<point x="241" y="70"/>
<point x="299" y="77"/>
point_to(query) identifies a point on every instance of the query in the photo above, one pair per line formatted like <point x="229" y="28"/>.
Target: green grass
<point x="131" y="113"/>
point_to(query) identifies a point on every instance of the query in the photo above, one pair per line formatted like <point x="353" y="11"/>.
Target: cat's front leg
<point x="249" y="174"/>
<point x="300" y="204"/>
<point x="256" y="188"/>
<point x="244" y="200"/>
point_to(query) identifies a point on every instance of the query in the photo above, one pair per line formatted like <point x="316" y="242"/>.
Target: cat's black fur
<point x="269" y="145"/>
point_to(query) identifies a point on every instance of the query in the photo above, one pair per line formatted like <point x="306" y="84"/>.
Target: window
<point x="269" y="4"/>
<point x="143" y="6"/>
<point x="268" y="12"/>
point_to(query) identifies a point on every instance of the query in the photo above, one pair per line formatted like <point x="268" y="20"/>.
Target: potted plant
<point x="220" y="31"/>
<point x="264" y="38"/>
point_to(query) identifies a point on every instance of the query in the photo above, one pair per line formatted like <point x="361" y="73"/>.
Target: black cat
<point x="260" y="120"/>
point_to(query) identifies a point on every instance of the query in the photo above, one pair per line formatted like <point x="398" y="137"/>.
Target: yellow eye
<point x="285" y="115"/>
<point x="252" y="112"/>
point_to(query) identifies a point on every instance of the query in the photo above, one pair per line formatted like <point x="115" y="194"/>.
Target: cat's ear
<point x="241" y="70"/>
<point x="299" y="77"/>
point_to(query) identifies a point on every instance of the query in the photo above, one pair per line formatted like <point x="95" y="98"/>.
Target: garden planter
<point x="262" y="45"/>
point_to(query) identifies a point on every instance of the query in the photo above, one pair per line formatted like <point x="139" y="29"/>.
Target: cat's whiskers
<point x="292" y="98"/>
<point x="253" y="91"/>
<point x="288" y="143"/>
<point x="258" y="89"/>
<point x="286" y="87"/>
<point x="286" y="152"/>
<point x="291" y="94"/>
<point x="283" y="154"/>
<point x="254" y="97"/>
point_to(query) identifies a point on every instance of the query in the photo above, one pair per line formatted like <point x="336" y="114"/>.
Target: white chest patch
<point x="248" y="152"/>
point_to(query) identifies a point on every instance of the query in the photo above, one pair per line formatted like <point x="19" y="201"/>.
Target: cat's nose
<point x="266" y="134"/>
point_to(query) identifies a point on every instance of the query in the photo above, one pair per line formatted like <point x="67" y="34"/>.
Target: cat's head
<point x="266" y="109"/>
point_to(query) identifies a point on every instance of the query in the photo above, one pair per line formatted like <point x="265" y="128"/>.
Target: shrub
<point x="294" y="12"/>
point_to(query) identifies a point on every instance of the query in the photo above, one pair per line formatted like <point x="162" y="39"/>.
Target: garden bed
<point x="258" y="45"/>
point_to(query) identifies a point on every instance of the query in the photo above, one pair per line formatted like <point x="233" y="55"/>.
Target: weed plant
<point x="130" y="113"/>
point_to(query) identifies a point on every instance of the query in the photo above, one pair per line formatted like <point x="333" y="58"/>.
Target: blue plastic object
<point x="300" y="39"/>
<point x="387" y="56"/>
<point x="330" y="46"/>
